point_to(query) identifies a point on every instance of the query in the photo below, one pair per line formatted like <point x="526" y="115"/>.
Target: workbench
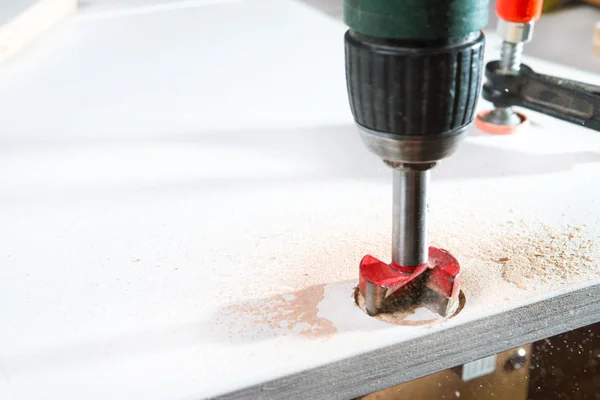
<point x="185" y="201"/>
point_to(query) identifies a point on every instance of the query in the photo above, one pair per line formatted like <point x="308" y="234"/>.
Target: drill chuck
<point x="413" y="100"/>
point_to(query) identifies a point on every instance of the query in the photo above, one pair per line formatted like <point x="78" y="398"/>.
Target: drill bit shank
<point x="409" y="224"/>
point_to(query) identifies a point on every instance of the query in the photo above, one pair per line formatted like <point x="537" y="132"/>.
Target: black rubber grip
<point x="413" y="88"/>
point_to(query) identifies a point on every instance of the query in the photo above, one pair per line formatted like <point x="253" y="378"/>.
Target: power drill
<point x="413" y="70"/>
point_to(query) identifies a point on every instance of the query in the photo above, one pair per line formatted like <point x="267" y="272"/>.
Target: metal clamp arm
<point x="571" y="101"/>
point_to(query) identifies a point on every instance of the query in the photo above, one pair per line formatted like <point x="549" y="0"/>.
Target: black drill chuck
<point x="413" y="88"/>
<point x="421" y="94"/>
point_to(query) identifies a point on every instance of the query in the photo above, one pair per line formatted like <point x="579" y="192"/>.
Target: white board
<point x="185" y="201"/>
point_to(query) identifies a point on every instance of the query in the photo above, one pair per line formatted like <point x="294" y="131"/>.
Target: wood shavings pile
<point x="535" y="258"/>
<point x="549" y="257"/>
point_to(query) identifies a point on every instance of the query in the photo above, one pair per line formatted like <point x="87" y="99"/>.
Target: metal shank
<point x="409" y="235"/>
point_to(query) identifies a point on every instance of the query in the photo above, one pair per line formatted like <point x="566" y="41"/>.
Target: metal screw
<point x="510" y="56"/>
<point x="514" y="36"/>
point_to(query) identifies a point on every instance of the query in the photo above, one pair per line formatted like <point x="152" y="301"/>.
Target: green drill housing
<point x="416" y="19"/>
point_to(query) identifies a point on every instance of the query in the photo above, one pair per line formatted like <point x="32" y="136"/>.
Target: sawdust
<point x="283" y="314"/>
<point x="532" y="257"/>
<point x="549" y="255"/>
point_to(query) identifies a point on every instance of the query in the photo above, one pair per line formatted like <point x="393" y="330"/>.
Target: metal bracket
<point x="571" y="101"/>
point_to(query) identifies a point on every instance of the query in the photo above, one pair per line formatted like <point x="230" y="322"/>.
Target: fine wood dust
<point x="552" y="257"/>
<point x="533" y="257"/>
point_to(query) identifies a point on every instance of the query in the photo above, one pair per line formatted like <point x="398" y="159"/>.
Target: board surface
<point x="189" y="222"/>
<point x="22" y="21"/>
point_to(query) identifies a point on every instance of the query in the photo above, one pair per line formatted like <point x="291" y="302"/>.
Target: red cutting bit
<point x="388" y="287"/>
